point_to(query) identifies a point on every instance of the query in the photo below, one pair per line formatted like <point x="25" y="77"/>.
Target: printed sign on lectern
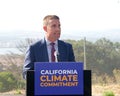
<point x="62" y="78"/>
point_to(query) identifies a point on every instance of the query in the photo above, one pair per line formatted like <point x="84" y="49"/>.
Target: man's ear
<point x="45" y="28"/>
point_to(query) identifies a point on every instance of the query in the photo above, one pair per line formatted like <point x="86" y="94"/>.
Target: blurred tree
<point x="7" y="81"/>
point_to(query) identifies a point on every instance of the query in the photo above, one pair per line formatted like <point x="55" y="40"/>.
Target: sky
<point x="79" y="18"/>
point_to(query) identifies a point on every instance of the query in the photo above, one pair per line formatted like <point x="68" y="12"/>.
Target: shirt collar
<point x="48" y="42"/>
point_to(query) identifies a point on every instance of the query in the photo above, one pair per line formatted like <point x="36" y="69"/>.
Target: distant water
<point x="8" y="40"/>
<point x="4" y="51"/>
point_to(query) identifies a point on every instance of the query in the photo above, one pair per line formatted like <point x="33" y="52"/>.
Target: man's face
<point x="53" y="30"/>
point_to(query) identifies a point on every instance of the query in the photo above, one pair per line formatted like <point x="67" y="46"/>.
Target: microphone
<point x="57" y="57"/>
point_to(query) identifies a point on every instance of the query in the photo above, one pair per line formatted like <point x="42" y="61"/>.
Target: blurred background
<point x="91" y="26"/>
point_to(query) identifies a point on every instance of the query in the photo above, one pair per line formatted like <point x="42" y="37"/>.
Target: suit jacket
<point x="37" y="52"/>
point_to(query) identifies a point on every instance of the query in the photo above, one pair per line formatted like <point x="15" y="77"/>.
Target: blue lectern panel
<point x="58" y="78"/>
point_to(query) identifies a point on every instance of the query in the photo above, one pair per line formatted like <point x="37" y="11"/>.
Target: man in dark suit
<point x="41" y="50"/>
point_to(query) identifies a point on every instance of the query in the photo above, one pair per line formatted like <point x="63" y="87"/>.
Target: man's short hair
<point x="49" y="17"/>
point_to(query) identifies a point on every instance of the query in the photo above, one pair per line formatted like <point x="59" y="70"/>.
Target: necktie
<point x="52" y="52"/>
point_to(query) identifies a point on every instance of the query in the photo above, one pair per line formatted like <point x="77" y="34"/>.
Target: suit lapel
<point x="62" y="51"/>
<point x="44" y="49"/>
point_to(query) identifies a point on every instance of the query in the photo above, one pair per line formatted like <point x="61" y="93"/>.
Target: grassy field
<point x="97" y="90"/>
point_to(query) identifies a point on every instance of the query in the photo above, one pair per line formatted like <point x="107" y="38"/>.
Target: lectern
<point x="30" y="84"/>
